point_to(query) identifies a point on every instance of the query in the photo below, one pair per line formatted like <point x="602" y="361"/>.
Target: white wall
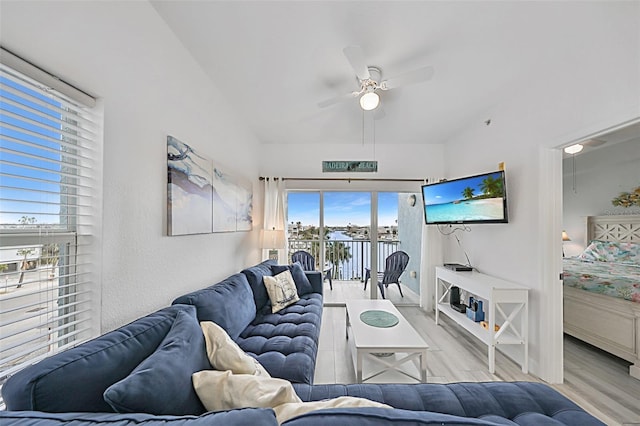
<point x="576" y="95"/>
<point x="150" y="86"/>
<point x="395" y="161"/>
<point x="600" y="175"/>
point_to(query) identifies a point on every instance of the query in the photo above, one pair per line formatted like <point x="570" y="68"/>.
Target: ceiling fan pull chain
<point x="362" y="127"/>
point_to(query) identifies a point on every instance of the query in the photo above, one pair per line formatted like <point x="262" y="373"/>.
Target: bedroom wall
<point x="151" y="87"/>
<point x="600" y="175"/>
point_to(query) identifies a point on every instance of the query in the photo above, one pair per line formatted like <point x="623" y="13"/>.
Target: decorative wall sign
<point x="201" y="198"/>
<point x="349" y="166"/>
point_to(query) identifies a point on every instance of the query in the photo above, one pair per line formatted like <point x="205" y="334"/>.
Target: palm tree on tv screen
<point x="492" y="187"/>
<point x="467" y="193"/>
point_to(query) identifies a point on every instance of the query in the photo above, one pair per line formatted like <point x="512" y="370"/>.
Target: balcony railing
<point x="348" y="258"/>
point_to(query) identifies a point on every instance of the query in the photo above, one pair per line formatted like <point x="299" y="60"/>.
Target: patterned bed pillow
<point x="612" y="251"/>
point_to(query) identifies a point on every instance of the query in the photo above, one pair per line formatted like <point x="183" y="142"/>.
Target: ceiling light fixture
<point x="573" y="149"/>
<point x="369" y="101"/>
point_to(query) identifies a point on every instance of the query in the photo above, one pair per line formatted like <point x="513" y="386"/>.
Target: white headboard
<point x="624" y="228"/>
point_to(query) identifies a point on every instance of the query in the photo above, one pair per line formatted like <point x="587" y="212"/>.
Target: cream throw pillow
<point x="223" y="390"/>
<point x="282" y="290"/>
<point x="225" y="354"/>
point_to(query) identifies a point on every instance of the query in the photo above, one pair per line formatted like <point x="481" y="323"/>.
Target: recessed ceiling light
<point x="573" y="149"/>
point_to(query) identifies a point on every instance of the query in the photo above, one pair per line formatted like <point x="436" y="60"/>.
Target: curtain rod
<point x="347" y="179"/>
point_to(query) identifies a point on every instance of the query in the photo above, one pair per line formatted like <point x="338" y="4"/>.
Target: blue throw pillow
<point x="299" y="277"/>
<point x="161" y="384"/>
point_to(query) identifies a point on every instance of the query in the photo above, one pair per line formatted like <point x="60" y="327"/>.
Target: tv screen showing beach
<point x="474" y="199"/>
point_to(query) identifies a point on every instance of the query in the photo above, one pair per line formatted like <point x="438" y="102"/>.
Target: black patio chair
<point x="394" y="266"/>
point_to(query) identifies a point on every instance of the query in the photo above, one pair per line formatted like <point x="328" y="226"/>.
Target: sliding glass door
<point x="338" y="227"/>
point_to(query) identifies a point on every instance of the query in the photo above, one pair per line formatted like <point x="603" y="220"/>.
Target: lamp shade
<point x="272" y="238"/>
<point x="565" y="237"/>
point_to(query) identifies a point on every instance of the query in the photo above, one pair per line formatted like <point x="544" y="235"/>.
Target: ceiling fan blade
<point x="412" y="77"/>
<point x="355" y="56"/>
<point x="337" y="99"/>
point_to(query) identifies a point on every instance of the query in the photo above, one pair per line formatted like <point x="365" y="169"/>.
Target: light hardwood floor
<point x="596" y="381"/>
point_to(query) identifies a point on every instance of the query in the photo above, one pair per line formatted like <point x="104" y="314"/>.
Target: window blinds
<point x="48" y="183"/>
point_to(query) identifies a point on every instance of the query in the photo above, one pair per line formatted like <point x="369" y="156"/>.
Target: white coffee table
<point x="367" y="340"/>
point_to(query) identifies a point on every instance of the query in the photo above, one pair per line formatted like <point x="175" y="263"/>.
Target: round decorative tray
<point x="380" y="319"/>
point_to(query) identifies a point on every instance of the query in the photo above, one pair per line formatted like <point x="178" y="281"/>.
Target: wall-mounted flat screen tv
<point x="472" y="199"/>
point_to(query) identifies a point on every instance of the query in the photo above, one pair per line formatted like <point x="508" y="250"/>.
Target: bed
<point x="602" y="288"/>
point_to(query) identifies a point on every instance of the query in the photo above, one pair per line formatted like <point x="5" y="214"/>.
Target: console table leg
<point x="492" y="359"/>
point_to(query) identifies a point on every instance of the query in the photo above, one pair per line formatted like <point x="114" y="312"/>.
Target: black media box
<point x="457" y="267"/>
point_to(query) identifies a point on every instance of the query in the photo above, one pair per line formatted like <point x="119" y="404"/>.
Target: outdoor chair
<point x="308" y="263"/>
<point x="394" y="266"/>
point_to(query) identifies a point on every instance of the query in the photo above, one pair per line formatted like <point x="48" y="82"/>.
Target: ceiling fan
<point x="370" y="80"/>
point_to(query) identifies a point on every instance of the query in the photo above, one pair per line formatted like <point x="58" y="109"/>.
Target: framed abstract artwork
<point x="189" y="190"/>
<point x="201" y="197"/>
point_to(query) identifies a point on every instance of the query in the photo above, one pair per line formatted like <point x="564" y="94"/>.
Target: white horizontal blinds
<point x="47" y="193"/>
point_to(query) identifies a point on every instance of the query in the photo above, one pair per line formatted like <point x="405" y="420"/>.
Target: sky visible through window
<point x="30" y="176"/>
<point x="342" y="208"/>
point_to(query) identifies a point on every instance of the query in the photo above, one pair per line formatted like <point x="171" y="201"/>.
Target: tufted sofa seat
<point x="285" y="343"/>
<point x="512" y="403"/>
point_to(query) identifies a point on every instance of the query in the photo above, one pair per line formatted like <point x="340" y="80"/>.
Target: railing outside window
<point x="348" y="259"/>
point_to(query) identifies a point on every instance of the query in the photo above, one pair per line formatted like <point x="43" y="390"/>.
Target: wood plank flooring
<point x="596" y="381"/>
<point x="354" y="289"/>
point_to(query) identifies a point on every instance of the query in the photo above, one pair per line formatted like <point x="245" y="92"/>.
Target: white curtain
<point x="275" y="210"/>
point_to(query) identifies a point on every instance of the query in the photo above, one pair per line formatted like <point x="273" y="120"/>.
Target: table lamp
<point x="565" y="237"/>
<point x="273" y="240"/>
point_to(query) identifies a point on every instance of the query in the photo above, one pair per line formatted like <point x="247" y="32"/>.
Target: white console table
<point x="504" y="302"/>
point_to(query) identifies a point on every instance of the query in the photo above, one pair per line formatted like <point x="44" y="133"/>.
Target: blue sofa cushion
<point x="521" y="402"/>
<point x="286" y="343"/>
<point x="240" y="417"/>
<point x="88" y="369"/>
<point x="299" y="277"/>
<point x="254" y="277"/>
<point x="161" y="384"/>
<point x="228" y="303"/>
<point x="370" y="416"/>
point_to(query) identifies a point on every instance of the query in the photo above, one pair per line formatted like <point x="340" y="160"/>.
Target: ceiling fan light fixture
<point x="369" y="101"/>
<point x="573" y="149"/>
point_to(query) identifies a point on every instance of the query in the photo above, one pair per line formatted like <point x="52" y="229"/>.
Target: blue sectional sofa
<point x="143" y="370"/>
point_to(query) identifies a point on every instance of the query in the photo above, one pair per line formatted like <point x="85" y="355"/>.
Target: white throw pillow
<point x="225" y="354"/>
<point x="223" y="390"/>
<point x="282" y="290"/>
<point x="290" y="410"/>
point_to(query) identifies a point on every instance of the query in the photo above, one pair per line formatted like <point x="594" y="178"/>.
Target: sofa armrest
<point x="315" y="278"/>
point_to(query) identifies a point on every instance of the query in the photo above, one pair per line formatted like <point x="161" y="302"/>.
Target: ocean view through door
<point x="335" y="227"/>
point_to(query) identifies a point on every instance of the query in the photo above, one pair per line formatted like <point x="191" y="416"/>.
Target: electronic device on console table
<point x="458" y="267"/>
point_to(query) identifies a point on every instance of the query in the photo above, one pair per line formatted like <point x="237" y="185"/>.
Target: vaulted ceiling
<point x="275" y="61"/>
